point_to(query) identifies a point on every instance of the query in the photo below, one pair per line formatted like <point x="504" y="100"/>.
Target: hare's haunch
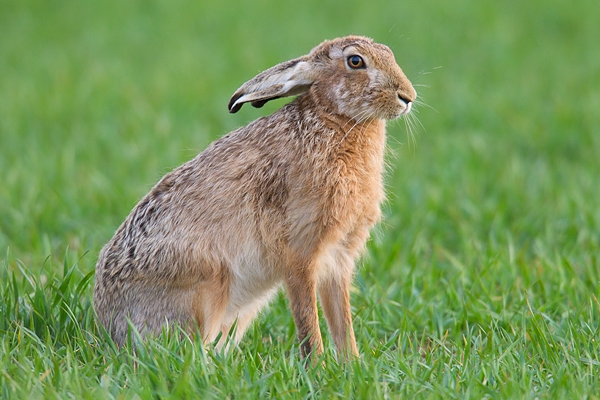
<point x="288" y="199"/>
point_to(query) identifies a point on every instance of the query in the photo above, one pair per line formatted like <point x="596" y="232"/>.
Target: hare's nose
<point x="404" y="99"/>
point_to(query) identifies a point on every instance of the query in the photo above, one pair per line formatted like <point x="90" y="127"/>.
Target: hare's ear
<point x="286" y="79"/>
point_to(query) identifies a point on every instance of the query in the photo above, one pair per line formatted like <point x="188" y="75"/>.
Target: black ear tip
<point x="233" y="108"/>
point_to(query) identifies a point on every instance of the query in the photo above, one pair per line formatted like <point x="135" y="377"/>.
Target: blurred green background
<point x="99" y="99"/>
<point x="491" y="235"/>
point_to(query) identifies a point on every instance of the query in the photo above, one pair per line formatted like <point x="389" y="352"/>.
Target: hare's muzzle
<point x="407" y="103"/>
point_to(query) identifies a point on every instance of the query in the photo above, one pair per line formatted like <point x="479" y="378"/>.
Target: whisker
<point x="356" y="118"/>
<point x="415" y="121"/>
<point x="427" y="72"/>
<point x="363" y="116"/>
<point x="410" y="137"/>
<point x="422" y="102"/>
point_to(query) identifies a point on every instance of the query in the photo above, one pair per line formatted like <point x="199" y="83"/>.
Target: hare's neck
<point x="358" y="144"/>
<point x="363" y="137"/>
<point x="364" y="141"/>
<point x="363" y="134"/>
<point x="355" y="141"/>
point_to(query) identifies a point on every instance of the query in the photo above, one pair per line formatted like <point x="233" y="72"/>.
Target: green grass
<point x="482" y="281"/>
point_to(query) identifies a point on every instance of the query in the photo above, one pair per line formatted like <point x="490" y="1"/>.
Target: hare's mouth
<point x="406" y="103"/>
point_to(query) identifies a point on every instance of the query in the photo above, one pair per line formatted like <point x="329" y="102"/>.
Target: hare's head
<point x="352" y="76"/>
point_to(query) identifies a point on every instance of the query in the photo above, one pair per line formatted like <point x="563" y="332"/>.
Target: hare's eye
<point x="356" y="62"/>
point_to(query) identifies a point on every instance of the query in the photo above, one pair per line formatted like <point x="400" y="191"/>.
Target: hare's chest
<point x="360" y="175"/>
<point x="359" y="190"/>
<point x="358" y="204"/>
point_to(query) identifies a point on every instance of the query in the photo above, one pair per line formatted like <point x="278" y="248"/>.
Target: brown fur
<point x="289" y="199"/>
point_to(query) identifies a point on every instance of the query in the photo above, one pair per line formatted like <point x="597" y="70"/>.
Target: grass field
<point x="481" y="282"/>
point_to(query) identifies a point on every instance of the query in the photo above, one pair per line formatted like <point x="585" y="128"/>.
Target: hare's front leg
<point x="334" y="292"/>
<point x="302" y="292"/>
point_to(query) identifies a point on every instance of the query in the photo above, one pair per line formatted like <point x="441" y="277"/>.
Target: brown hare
<point x="288" y="199"/>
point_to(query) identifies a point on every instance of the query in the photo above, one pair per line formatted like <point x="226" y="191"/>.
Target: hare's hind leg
<point x="210" y="305"/>
<point x="243" y="317"/>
